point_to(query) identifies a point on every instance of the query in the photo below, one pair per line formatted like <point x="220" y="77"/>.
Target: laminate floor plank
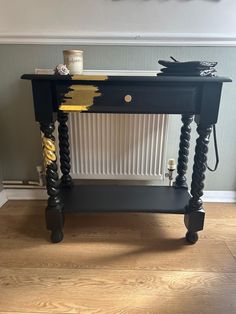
<point x="20" y="207"/>
<point x="232" y="247"/>
<point x="161" y="254"/>
<point x="111" y="291"/>
<point x="116" y="263"/>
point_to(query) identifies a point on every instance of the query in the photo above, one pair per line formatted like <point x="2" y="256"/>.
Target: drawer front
<point x="127" y="99"/>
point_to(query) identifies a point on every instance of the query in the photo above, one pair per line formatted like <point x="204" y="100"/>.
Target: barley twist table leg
<point x="194" y="217"/>
<point x="54" y="210"/>
<point x="180" y="180"/>
<point x="66" y="180"/>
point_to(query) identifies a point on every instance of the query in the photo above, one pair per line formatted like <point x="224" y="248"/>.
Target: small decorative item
<point x="61" y="69"/>
<point x="73" y="59"/>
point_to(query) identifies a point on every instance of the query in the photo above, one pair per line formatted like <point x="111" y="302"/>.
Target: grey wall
<point x="1" y="186"/>
<point x="20" y="137"/>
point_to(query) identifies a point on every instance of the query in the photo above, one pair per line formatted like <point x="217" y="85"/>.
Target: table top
<point x="104" y="93"/>
<point x="130" y="78"/>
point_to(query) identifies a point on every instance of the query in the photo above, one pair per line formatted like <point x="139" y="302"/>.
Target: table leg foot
<point x="55" y="223"/>
<point x="191" y="237"/>
<point x="56" y="236"/>
<point x="194" y="221"/>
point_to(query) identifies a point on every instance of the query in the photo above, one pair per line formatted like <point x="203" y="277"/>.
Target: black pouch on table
<point x="189" y="68"/>
<point x="188" y="64"/>
<point x="190" y="72"/>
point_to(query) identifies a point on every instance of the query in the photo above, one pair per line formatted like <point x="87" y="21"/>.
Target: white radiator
<point x="118" y="146"/>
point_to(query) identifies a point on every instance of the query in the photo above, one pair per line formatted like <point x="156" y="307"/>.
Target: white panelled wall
<point x="137" y="22"/>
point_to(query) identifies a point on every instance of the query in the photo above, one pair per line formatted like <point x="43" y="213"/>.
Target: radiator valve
<point x="171" y="168"/>
<point x="40" y="175"/>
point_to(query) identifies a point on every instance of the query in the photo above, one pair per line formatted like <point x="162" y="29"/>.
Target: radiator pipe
<point x="21" y="184"/>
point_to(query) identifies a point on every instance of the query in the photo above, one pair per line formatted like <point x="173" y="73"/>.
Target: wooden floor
<point x="116" y="263"/>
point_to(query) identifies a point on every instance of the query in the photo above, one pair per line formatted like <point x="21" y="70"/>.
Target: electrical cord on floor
<point x="216" y="151"/>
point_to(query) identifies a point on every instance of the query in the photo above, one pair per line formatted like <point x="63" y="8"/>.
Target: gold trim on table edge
<point x="78" y="77"/>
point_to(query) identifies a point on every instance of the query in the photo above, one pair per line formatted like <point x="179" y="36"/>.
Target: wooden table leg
<point x="66" y="180"/>
<point x="54" y="210"/>
<point x="180" y="180"/>
<point x="194" y="217"/>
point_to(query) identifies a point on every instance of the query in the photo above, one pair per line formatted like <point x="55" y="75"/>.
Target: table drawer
<point x="126" y="99"/>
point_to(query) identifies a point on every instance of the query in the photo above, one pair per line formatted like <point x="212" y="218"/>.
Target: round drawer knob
<point x="128" y="98"/>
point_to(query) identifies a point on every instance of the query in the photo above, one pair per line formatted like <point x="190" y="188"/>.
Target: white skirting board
<point x="40" y="194"/>
<point x="219" y="196"/>
<point x="3" y="198"/>
<point x="26" y="194"/>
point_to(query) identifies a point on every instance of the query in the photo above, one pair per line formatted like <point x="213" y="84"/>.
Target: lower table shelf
<point x="125" y="198"/>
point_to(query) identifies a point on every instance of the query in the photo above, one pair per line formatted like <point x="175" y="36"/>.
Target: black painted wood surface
<point x="180" y="180"/>
<point x="64" y="149"/>
<point x="115" y="78"/>
<point x="125" y="198"/>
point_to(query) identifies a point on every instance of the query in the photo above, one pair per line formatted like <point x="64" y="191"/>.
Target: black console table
<point x="192" y="97"/>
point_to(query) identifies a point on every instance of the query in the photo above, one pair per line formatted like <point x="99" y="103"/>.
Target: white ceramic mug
<point x="73" y="59"/>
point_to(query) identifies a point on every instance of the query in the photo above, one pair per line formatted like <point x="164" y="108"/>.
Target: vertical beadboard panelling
<point x="106" y="146"/>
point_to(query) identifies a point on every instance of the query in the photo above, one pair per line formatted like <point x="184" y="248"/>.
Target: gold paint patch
<point x="90" y="77"/>
<point x="74" y="108"/>
<point x="49" y="144"/>
<point x="49" y="151"/>
<point x="80" y="98"/>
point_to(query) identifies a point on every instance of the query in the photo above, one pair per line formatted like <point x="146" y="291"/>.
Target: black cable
<point x="216" y="151"/>
<point x="174" y="59"/>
